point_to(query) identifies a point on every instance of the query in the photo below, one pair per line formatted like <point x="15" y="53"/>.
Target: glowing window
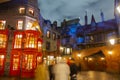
<point x="28" y="62"/>
<point x="2" y="24"/>
<point x="39" y="46"/>
<point x="31" y="11"/>
<point x="1" y="61"/>
<point x="29" y="26"/>
<point x="15" y="63"/>
<point x="3" y="41"/>
<point x="20" y="24"/>
<point x="18" y="41"/>
<point x="54" y="36"/>
<point x="22" y="10"/>
<point x="48" y="34"/>
<point x="31" y="41"/>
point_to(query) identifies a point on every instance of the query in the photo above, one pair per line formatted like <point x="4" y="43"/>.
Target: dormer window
<point x="2" y="24"/>
<point x="22" y="10"/>
<point x="31" y="11"/>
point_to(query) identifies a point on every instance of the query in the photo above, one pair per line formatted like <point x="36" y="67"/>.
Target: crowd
<point x="62" y="70"/>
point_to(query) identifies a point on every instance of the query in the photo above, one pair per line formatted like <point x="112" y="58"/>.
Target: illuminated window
<point x="31" y="11"/>
<point x="28" y="62"/>
<point x="3" y="41"/>
<point x="54" y="36"/>
<point x="1" y="61"/>
<point x="29" y="26"/>
<point x="31" y="41"/>
<point x="22" y="10"/>
<point x="18" y="41"/>
<point x="15" y="63"/>
<point x="20" y="24"/>
<point x="39" y="46"/>
<point x="48" y="34"/>
<point x="2" y="24"/>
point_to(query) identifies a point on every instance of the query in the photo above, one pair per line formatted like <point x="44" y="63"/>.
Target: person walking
<point x="61" y="70"/>
<point x="73" y="70"/>
<point x="51" y="74"/>
<point x="41" y="72"/>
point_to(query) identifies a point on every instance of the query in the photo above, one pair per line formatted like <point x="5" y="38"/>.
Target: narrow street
<point x="84" y="75"/>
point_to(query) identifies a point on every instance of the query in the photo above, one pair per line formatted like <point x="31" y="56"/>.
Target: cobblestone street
<point x="84" y="75"/>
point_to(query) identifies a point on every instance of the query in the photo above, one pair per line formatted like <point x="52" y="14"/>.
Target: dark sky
<point x="70" y="9"/>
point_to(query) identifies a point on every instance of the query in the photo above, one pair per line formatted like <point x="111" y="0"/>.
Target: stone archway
<point x="96" y="61"/>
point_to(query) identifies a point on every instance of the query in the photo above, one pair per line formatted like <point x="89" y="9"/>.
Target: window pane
<point x="28" y="62"/>
<point x="48" y="34"/>
<point x="3" y="41"/>
<point x="1" y="61"/>
<point x="2" y="24"/>
<point x="20" y="24"/>
<point x="15" y="63"/>
<point x="22" y="10"/>
<point x="31" y="11"/>
<point x="31" y="41"/>
<point x="18" y="41"/>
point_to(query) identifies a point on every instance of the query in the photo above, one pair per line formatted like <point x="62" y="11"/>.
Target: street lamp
<point x="112" y="41"/>
<point x="118" y="9"/>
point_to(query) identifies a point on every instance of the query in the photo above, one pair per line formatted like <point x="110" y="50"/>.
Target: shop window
<point x="48" y="34"/>
<point x="28" y="62"/>
<point x="1" y="61"/>
<point x="20" y="24"/>
<point x="54" y="36"/>
<point x="3" y="41"/>
<point x="31" y="41"/>
<point x="2" y="24"/>
<point x="15" y="63"/>
<point x="39" y="46"/>
<point x="22" y="10"/>
<point x="18" y="41"/>
<point x="31" y="11"/>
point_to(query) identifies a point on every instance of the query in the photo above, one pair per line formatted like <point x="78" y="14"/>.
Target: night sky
<point x="70" y="9"/>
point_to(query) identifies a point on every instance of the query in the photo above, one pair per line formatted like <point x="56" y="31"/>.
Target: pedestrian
<point x="73" y="70"/>
<point x="51" y="74"/>
<point x="61" y="70"/>
<point x="41" y="72"/>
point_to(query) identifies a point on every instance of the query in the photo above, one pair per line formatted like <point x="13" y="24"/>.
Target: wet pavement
<point x="96" y="75"/>
<point x="83" y="75"/>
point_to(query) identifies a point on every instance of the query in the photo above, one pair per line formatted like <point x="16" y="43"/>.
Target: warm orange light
<point x="110" y="52"/>
<point x="102" y="58"/>
<point x="79" y="55"/>
<point x="90" y="59"/>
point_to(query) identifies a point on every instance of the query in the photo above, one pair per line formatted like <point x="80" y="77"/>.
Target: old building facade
<point x="20" y="38"/>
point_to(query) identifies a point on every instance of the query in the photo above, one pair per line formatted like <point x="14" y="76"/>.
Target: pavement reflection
<point x="96" y="75"/>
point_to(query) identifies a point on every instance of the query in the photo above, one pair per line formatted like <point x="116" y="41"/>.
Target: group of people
<point x="59" y="71"/>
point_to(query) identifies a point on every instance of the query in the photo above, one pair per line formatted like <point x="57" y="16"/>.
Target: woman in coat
<point x="61" y="71"/>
